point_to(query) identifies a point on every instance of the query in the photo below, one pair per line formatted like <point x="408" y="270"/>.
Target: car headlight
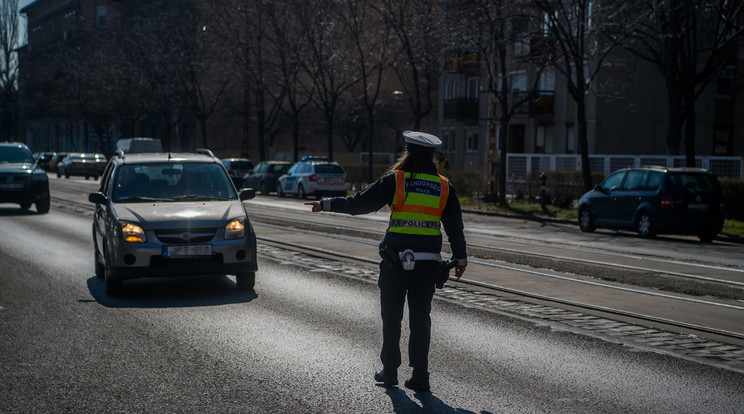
<point x="133" y="233"/>
<point x="235" y="229"/>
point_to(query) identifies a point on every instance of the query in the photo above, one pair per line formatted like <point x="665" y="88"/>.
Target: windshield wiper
<point x="137" y="199"/>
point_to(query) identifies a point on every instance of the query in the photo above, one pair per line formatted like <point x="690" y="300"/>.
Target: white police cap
<point x="422" y="139"/>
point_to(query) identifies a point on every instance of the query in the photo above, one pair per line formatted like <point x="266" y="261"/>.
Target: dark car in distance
<point x="263" y="176"/>
<point x="22" y="181"/>
<point x="237" y="167"/>
<point x="78" y="164"/>
<point x="654" y="200"/>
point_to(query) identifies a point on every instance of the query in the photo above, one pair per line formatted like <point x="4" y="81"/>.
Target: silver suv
<point x="169" y="214"/>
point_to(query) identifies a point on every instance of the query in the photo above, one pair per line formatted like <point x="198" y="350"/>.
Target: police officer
<point x="420" y="199"/>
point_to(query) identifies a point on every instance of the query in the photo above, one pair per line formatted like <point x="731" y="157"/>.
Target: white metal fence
<point x="519" y="166"/>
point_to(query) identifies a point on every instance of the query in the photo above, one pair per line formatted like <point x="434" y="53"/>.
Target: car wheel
<point x="245" y="281"/>
<point x="42" y="206"/>
<point x="586" y="223"/>
<point x="111" y="282"/>
<point x="59" y="173"/>
<point x="25" y="206"/>
<point x="99" y="268"/>
<point x="279" y="191"/>
<point x="645" y="225"/>
<point x="265" y="189"/>
<point x="67" y="175"/>
<point x="301" y="192"/>
<point x="707" y="236"/>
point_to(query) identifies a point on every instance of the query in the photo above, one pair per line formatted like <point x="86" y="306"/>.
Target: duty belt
<point x="417" y="224"/>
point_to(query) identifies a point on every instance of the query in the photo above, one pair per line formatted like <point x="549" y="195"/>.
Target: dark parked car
<point x="237" y="168"/>
<point x="101" y="160"/>
<point x="264" y="175"/>
<point x="655" y="200"/>
<point x="21" y="179"/>
<point x="44" y="158"/>
<point x="171" y="214"/>
<point x="78" y="164"/>
<point x="56" y="159"/>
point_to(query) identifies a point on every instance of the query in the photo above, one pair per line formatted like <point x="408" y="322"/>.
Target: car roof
<point x="668" y="169"/>
<point x="164" y="157"/>
<point x="13" y="144"/>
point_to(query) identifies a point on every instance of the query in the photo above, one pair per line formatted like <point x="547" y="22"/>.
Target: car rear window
<point x="328" y="169"/>
<point x="693" y="182"/>
<point x="241" y="165"/>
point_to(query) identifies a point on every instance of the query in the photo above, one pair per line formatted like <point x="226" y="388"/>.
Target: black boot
<point x="418" y="383"/>
<point x="389" y="380"/>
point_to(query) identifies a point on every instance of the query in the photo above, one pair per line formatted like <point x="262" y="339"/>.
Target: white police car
<point x="313" y="177"/>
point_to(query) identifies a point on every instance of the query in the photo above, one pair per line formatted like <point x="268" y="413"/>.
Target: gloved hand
<point x="316" y="206"/>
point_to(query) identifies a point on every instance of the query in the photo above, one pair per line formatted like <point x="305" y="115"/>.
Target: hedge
<point x="466" y="182"/>
<point x="733" y="196"/>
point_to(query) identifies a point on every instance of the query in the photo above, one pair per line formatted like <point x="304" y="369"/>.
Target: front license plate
<point x="11" y="186"/>
<point x="193" y="250"/>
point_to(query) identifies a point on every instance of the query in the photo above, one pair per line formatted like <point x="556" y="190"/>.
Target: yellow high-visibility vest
<point x="418" y="210"/>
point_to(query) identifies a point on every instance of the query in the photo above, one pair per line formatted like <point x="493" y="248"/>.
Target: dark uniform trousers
<point x="395" y="286"/>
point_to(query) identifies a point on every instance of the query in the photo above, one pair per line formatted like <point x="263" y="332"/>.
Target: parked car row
<point x="55" y="162"/>
<point x="312" y="176"/>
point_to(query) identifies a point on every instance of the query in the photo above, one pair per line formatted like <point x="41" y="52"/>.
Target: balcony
<point x="539" y="106"/>
<point x="461" y="109"/>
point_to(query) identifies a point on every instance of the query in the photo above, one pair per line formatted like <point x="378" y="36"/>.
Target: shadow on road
<point x="7" y="210"/>
<point x="402" y="403"/>
<point x="171" y="292"/>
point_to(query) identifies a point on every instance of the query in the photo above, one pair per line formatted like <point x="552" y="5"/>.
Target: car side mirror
<point x="247" y="194"/>
<point x="97" y="198"/>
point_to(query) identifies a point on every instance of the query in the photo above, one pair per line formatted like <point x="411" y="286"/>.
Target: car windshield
<point x="15" y="155"/>
<point x="171" y="182"/>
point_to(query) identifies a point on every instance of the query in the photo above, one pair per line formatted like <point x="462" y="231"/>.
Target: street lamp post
<point x="397" y="95"/>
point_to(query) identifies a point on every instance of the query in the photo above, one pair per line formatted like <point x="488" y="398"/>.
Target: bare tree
<point x="574" y="26"/>
<point x="370" y="39"/>
<point x="9" y="43"/>
<point x="284" y="26"/>
<point x="417" y="27"/>
<point x="688" y="42"/>
<point x="498" y="29"/>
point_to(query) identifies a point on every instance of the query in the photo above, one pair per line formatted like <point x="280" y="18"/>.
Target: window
<point x="654" y="179"/>
<point x="448" y="139"/>
<point x="101" y="22"/>
<point x="472" y="92"/>
<point x="613" y="182"/>
<point x="472" y="142"/>
<point x="634" y="180"/>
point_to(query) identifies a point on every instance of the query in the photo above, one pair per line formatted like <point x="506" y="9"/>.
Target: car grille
<point x="186" y="261"/>
<point x="187" y="236"/>
<point x="14" y="178"/>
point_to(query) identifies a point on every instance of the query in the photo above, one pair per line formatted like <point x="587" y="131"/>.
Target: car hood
<point x="8" y="168"/>
<point x="180" y="214"/>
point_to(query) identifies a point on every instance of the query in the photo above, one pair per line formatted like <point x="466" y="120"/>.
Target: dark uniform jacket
<point x="381" y="193"/>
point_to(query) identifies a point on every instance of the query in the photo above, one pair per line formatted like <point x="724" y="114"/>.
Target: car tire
<point x="645" y="225"/>
<point x="67" y="175"/>
<point x="112" y="284"/>
<point x="586" y="223"/>
<point x="59" y="173"/>
<point x="25" y="206"/>
<point x="279" y="191"/>
<point x="301" y="192"/>
<point x="246" y="280"/>
<point x="707" y="236"/>
<point x="42" y="206"/>
<point x="98" y="267"/>
<point x="265" y="189"/>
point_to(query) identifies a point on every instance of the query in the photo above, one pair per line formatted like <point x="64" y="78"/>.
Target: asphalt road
<point x="302" y="342"/>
